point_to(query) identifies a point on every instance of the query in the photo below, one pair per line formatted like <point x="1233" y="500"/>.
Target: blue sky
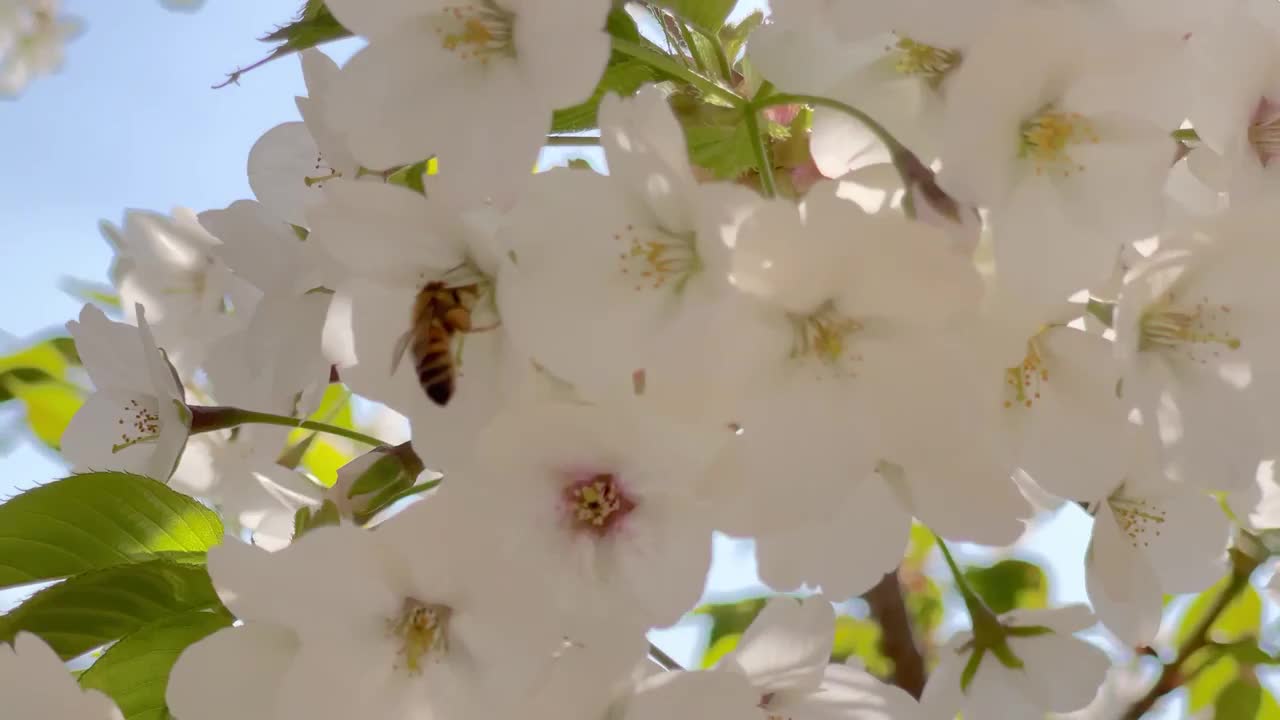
<point x="132" y="122"/>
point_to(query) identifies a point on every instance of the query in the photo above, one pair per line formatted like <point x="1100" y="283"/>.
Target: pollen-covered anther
<point x="1046" y="140"/>
<point x="653" y="259"/>
<point x="1264" y="131"/>
<point x="921" y="60"/>
<point x="1139" y="520"/>
<point x="825" y="336"/>
<point x="476" y="31"/>
<point x="1023" y="381"/>
<point x="1198" y="331"/>
<point x="597" y="503"/>
<point x="423" y="631"/>
<point x="138" y="424"/>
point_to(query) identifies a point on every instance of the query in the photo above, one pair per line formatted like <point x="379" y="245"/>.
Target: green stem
<point x="690" y="43"/>
<point x="205" y="418"/>
<point x="899" y="154"/>
<point x="668" y="65"/>
<point x="961" y="584"/>
<point x="751" y="115"/>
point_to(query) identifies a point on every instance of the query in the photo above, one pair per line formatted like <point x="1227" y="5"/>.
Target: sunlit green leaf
<point x="97" y="520"/>
<point x="1209" y="682"/>
<point x="706" y="14"/>
<point x="724" y="149"/>
<point x="860" y="638"/>
<point x="1241" y="618"/>
<point x="49" y="406"/>
<point x="731" y="618"/>
<point x="99" y="606"/>
<point x="135" y="671"/>
<point x="733" y="37"/>
<point x="1009" y="584"/>
<point x="718" y="649"/>
<point x="315" y="26"/>
<point x="1238" y="701"/>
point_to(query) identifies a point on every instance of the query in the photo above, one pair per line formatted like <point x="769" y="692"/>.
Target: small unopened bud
<point x="371" y="482"/>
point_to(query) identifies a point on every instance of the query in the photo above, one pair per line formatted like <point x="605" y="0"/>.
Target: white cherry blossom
<point x="472" y="82"/>
<point x="601" y="501"/>
<point x="137" y="419"/>
<point x="32" y="36"/>
<point x="37" y="685"/>
<point x="1151" y="537"/>
<point x="610" y="276"/>
<point x="1054" y="142"/>
<point x="389" y="624"/>
<point x="1197" y="352"/>
<point x="781" y="668"/>
<point x="1058" y="673"/>
<point x="292" y="163"/>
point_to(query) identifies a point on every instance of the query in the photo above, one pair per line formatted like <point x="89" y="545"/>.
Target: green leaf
<point x="97" y="520"/>
<point x="135" y="671"/>
<point x="623" y="76"/>
<point x="861" y="638"/>
<point x="46" y="356"/>
<point x="731" y="618"/>
<point x="723" y="645"/>
<point x="315" y="26"/>
<point x="49" y="406"/>
<point x="706" y="14"/>
<point x="1239" y="701"/>
<point x="925" y="603"/>
<point x="1009" y="584"/>
<point x="1268" y="709"/>
<point x="1209" y="682"/>
<point x="724" y="149"/>
<point x="1242" y="617"/>
<point x="734" y="37"/>
<point x="99" y="606"/>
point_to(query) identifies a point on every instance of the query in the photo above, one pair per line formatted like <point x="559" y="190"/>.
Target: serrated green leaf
<point x="708" y="15"/>
<point x="135" y="671"/>
<point x="99" y="606"/>
<point x="49" y="406"/>
<point x="315" y="26"/>
<point x="723" y="645"/>
<point x="1209" y="682"/>
<point x="726" y="150"/>
<point x="1009" y="584"/>
<point x="734" y="37"/>
<point x="1238" y="701"/>
<point x="97" y="520"/>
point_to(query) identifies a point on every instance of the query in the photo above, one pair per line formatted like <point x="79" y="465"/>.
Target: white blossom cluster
<point x="1075" y="307"/>
<point x="32" y="33"/>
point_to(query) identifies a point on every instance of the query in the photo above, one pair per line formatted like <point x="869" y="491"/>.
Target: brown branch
<point x="897" y="638"/>
<point x="1173" y="676"/>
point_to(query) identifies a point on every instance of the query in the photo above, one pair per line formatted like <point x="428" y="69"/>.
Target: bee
<point x="439" y="312"/>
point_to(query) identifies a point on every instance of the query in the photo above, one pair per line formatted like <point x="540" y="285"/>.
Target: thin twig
<point x="1172" y="676"/>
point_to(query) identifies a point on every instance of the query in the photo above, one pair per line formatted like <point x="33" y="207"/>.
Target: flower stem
<point x="751" y="115"/>
<point x="904" y="161"/>
<point x="668" y="65"/>
<point x="206" y="418"/>
<point x="961" y="584"/>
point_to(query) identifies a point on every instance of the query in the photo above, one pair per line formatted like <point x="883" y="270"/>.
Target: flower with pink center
<point x="603" y="501"/>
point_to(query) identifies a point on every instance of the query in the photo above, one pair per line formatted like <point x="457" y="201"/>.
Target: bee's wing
<point x="402" y="345"/>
